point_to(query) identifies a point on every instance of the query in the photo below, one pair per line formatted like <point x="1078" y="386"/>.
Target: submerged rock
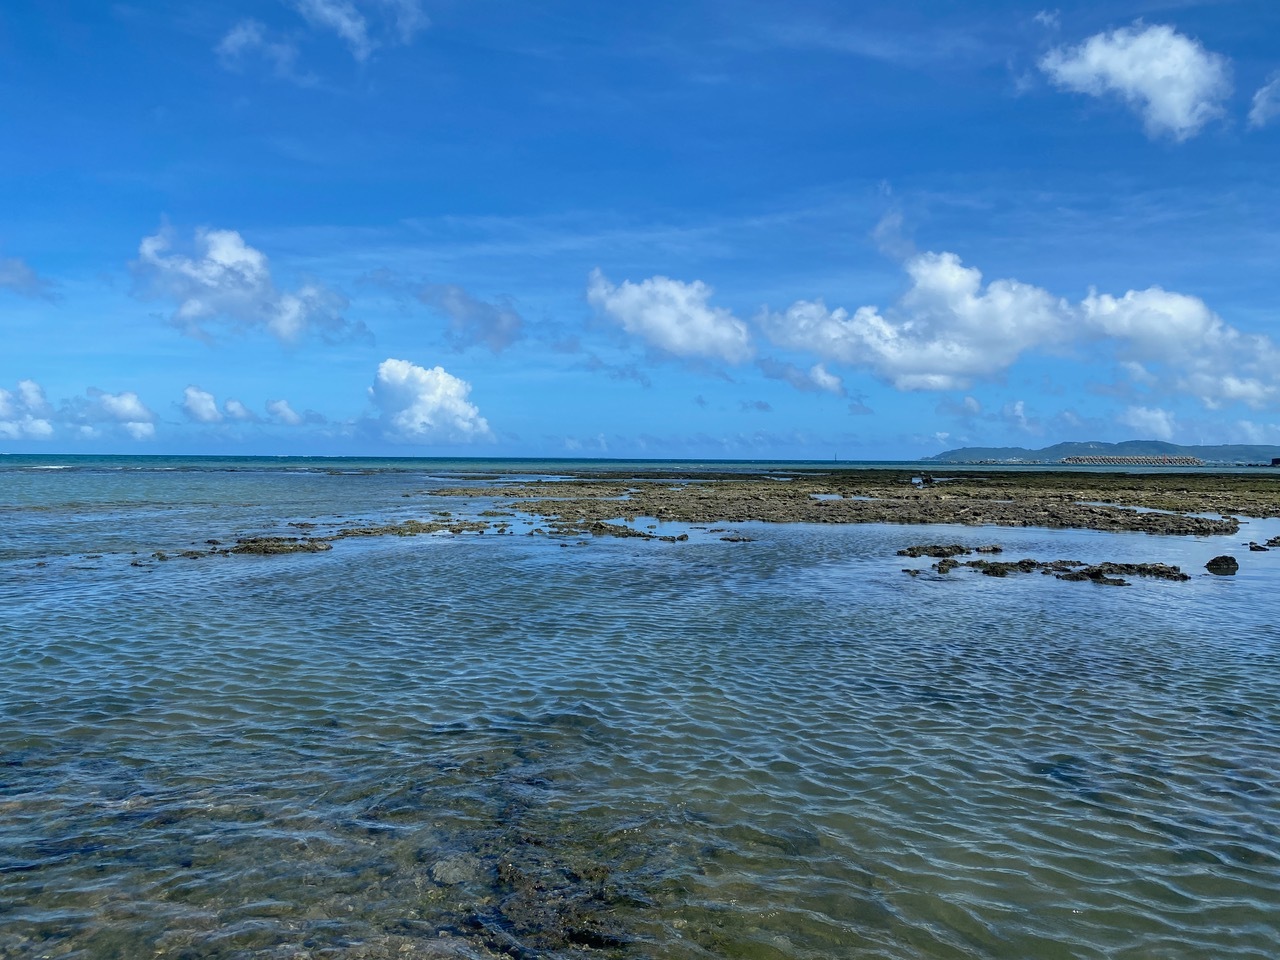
<point x="1223" y="566"/>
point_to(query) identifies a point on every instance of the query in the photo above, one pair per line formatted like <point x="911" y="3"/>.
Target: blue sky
<point x="698" y="229"/>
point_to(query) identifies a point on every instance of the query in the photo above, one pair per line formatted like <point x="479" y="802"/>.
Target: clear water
<point x="482" y="745"/>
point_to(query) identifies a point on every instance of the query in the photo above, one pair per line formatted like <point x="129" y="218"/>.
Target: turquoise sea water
<point x="517" y="746"/>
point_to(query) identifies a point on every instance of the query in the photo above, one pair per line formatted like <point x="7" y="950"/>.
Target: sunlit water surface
<point x="481" y="745"/>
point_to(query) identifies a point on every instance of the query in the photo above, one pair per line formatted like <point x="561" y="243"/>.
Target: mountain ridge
<point x="1214" y="453"/>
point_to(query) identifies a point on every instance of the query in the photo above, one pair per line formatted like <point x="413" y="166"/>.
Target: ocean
<point x="483" y="745"/>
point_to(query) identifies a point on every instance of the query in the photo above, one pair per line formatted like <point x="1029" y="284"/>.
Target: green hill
<point x="1221" y="453"/>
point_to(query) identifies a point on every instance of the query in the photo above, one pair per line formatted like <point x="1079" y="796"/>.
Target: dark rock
<point x="946" y="565"/>
<point x="1223" y="566"/>
<point x="993" y="548"/>
<point x="1094" y="575"/>
<point x="996" y="568"/>
<point x="1257" y="547"/>
<point x="936" y="550"/>
<point x="271" y="546"/>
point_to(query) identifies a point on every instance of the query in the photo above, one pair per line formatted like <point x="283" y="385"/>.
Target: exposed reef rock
<point x="270" y="546"/>
<point x="1108" y="574"/>
<point x="1223" y="566"/>
<point x="1172" y="504"/>
<point x="941" y="550"/>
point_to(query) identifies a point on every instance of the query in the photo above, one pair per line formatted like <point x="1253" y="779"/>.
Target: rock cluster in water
<point x="1107" y="574"/>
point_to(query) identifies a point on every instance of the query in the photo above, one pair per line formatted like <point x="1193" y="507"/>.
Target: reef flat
<point x="1192" y="504"/>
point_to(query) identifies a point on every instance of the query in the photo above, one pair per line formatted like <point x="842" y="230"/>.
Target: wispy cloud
<point x="1266" y="104"/>
<point x="249" y="40"/>
<point x="16" y="276"/>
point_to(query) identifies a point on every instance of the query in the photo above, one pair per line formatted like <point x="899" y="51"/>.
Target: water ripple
<point x="480" y="748"/>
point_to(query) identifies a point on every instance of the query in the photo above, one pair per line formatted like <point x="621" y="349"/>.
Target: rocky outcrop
<point x="1223" y="566"/>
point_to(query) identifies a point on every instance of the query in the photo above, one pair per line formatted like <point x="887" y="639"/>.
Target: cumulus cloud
<point x="1266" y="104"/>
<point x="16" y="276"/>
<point x="25" y="413"/>
<point x="235" y="410"/>
<point x="101" y="411"/>
<point x="947" y="330"/>
<point x="473" y="321"/>
<point x="200" y="406"/>
<point x="418" y="405"/>
<point x="1151" y="422"/>
<point x="283" y="413"/>
<point x="674" y="317"/>
<point x="227" y="282"/>
<point x="1180" y="336"/>
<point x="816" y="378"/>
<point x="1170" y="80"/>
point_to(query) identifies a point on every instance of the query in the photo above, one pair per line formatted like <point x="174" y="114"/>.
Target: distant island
<point x="1153" y="451"/>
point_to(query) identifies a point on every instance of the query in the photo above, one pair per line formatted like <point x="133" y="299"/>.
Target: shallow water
<point x="490" y="745"/>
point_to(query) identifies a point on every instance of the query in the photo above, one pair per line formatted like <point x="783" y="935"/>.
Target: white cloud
<point x="1015" y="414"/>
<point x="425" y="406"/>
<point x="342" y="18"/>
<point x="25" y="413"/>
<point x="1159" y="324"/>
<point x="1151" y="422"/>
<point x="124" y="412"/>
<point x="235" y="410"/>
<point x="673" y="316"/>
<point x="946" y="331"/>
<point x="472" y="321"/>
<point x="815" y="379"/>
<point x="281" y="411"/>
<point x="1266" y="104"/>
<point x="229" y="282"/>
<point x="826" y="381"/>
<point x="200" y="406"/>
<point x="17" y="276"/>
<point x="248" y="39"/>
<point x="409" y="18"/>
<point x="1205" y="356"/>
<point x="1173" y="82"/>
<point x="122" y="407"/>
